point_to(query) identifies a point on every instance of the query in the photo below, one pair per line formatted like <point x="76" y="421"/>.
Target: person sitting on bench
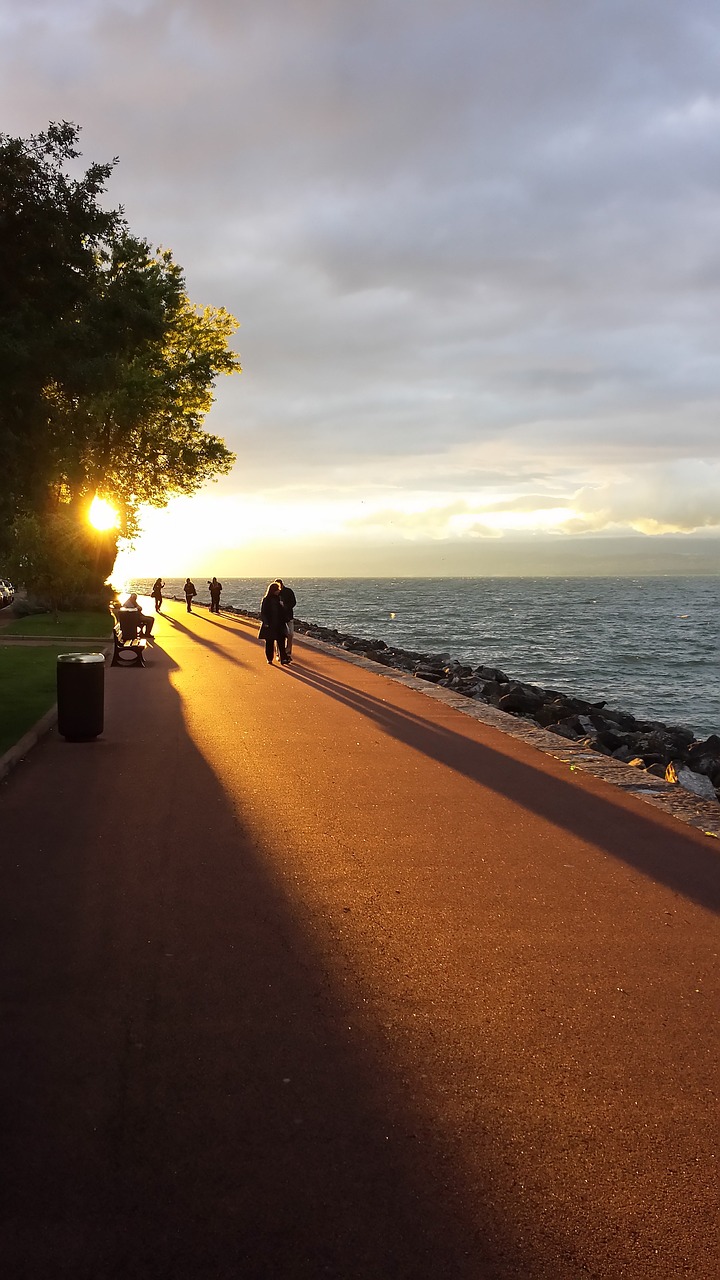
<point x="145" y="622"/>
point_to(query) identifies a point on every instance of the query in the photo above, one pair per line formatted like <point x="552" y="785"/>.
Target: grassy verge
<point x="27" y="689"/>
<point x="45" y="625"/>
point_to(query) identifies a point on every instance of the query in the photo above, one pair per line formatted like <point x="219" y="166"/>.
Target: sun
<point x="102" y="515"/>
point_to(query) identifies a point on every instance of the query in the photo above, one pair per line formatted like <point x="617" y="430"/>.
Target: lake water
<point x="646" y="645"/>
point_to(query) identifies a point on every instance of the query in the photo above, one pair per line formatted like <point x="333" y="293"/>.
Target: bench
<point x="128" y="646"/>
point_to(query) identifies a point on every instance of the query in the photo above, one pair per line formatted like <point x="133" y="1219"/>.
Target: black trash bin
<point x="80" y="695"/>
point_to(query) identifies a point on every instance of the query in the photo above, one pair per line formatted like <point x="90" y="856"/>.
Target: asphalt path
<point x="307" y="975"/>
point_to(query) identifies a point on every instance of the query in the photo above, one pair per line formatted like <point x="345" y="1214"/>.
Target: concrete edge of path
<point x="673" y="799"/>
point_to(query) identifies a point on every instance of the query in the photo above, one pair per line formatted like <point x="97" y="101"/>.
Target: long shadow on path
<point x="678" y="857"/>
<point x="187" y="1097"/>
<point x="203" y="640"/>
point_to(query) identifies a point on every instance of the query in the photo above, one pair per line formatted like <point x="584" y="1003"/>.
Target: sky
<point x="474" y="250"/>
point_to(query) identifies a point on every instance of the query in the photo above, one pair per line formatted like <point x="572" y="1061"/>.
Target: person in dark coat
<point x="189" y="591"/>
<point x="156" y="593"/>
<point x="273" y="624"/>
<point x="215" y="588"/>
<point x="144" y="621"/>
<point x="287" y="596"/>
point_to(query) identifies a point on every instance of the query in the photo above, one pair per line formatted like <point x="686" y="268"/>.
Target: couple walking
<point x="276" y="615"/>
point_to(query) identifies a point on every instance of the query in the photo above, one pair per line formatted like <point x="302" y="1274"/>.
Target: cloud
<point x="679" y="498"/>
<point x="473" y="246"/>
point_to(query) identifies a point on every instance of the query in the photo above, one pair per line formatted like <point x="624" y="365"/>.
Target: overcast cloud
<point x="474" y="247"/>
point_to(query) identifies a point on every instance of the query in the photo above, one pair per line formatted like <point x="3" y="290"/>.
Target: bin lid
<point x="81" y="657"/>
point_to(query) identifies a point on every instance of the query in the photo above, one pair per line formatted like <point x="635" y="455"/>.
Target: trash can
<point x="80" y="695"/>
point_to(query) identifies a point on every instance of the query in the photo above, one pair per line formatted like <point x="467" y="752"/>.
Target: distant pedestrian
<point x="287" y="597"/>
<point x="190" y="591"/>
<point x="272" y="629"/>
<point x="215" y="588"/>
<point x="156" y="593"/>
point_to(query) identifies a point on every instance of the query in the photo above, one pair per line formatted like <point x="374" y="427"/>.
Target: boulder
<point x="520" y="699"/>
<point x="621" y="719"/>
<point x="681" y="734"/>
<point x="492" y="673"/>
<point x="697" y="783"/>
<point x="613" y="741"/>
<point x="647" y="744"/>
<point x="493" y="691"/>
<point x="564" y="731"/>
<point x="588" y="724"/>
<point x="661" y="742"/>
<point x="551" y="713"/>
<point x="707" y="747"/>
<point x="709" y="766"/>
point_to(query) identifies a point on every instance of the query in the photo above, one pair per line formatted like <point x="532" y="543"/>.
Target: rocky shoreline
<point x="671" y="752"/>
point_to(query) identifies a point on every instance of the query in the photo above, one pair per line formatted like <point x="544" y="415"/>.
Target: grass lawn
<point x="27" y="689"/>
<point x="67" y="624"/>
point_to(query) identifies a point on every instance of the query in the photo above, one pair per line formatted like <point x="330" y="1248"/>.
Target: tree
<point x="107" y="369"/>
<point x="59" y="556"/>
<point x="52" y="231"/>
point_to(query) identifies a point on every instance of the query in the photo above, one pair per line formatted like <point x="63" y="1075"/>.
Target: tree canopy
<point x="107" y="369"/>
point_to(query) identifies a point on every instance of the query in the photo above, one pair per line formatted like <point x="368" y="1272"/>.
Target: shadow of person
<point x="216" y="649"/>
<point x="194" y="1094"/>
<point x="682" y="858"/>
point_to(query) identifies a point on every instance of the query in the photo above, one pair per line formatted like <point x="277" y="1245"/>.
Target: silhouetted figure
<point x="145" y="622"/>
<point x="156" y="593"/>
<point x="215" y="588"/>
<point x="287" y="597"/>
<point x="272" y="629"/>
<point x="190" y="591"/>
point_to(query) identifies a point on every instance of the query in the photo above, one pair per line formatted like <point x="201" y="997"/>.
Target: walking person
<point x="288" y="600"/>
<point x="272" y="628"/>
<point x="156" y="593"/>
<point x="190" y="591"/>
<point x="215" y="588"/>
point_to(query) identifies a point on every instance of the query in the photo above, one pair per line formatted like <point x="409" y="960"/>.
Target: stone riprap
<point x="670" y="752"/>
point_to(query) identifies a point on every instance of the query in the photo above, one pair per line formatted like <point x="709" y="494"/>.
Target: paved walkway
<point x="308" y="975"/>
